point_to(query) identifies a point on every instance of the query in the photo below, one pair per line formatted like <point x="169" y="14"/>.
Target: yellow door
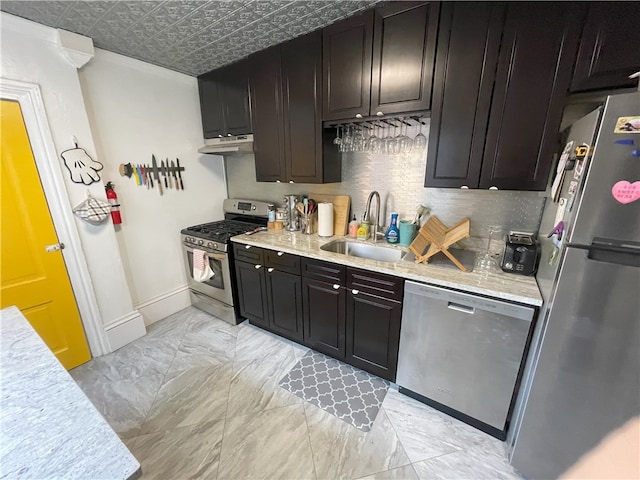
<point x="31" y="278"/>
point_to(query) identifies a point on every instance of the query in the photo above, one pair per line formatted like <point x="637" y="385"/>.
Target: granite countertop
<point x="48" y="427"/>
<point x="493" y="283"/>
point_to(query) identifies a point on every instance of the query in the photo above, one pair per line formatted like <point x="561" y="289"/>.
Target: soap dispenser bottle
<point x="393" y="234"/>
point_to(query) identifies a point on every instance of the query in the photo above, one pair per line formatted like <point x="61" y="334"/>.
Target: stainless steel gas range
<point x="218" y="295"/>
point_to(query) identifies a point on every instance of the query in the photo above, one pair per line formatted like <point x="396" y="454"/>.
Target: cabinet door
<point x="324" y="317"/>
<point x="266" y="109"/>
<point x="302" y="77"/>
<point x="252" y="293"/>
<point x="346" y="52"/>
<point x="211" y="107"/>
<point x="236" y="99"/>
<point x="373" y="333"/>
<point x="610" y="46"/>
<point x="284" y="297"/>
<point x="404" y="45"/>
<point x="468" y="45"/>
<point x="539" y="45"/>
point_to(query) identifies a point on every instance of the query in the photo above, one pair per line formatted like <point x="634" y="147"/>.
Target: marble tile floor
<point x="199" y="398"/>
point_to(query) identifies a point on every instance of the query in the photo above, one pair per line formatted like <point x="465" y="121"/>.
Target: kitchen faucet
<point x="367" y="214"/>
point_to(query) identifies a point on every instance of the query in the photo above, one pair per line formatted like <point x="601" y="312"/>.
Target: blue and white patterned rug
<point x="348" y="393"/>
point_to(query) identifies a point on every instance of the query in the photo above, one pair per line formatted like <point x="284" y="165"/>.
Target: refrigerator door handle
<point x="614" y="254"/>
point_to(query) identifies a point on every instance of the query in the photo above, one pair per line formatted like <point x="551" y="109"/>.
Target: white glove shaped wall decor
<point x="81" y="166"/>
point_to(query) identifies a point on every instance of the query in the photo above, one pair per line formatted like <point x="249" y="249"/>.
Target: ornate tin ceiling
<point x="188" y="36"/>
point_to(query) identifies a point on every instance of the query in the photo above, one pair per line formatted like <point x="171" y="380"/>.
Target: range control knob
<point x="200" y="242"/>
<point x="210" y="244"/>
<point x="215" y="246"/>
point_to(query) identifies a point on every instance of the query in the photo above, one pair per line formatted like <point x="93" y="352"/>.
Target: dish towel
<point x="201" y="268"/>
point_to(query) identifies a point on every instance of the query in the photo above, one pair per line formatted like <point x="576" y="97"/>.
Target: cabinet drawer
<point x="384" y="286"/>
<point x="325" y="271"/>
<point x="248" y="253"/>
<point x="284" y="262"/>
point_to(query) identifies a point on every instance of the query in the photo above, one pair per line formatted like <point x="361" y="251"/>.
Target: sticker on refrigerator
<point x="627" y="125"/>
<point x="577" y="172"/>
<point x="626" y="192"/>
<point x="560" y="211"/>
<point x="573" y="188"/>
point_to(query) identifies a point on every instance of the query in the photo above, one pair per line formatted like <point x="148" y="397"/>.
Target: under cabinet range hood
<point x="228" y="145"/>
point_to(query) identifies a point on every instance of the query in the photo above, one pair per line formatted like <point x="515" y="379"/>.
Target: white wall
<point x="137" y="109"/>
<point x="29" y="53"/>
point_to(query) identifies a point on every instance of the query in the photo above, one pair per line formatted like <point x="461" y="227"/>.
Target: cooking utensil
<point x="150" y="176"/>
<point x="312" y="205"/>
<point x="156" y="172"/>
<point x="300" y="207"/>
<point x="179" y="174"/>
<point x="256" y="230"/>
<point x="175" y="176"/>
<point x="125" y="169"/>
<point x="421" y="210"/>
<point x="164" y="174"/>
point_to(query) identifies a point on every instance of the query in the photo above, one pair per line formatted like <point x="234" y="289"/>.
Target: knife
<point x="150" y="176"/>
<point x="144" y="176"/>
<point x="179" y="174"/>
<point x="156" y="172"/>
<point x="164" y="174"/>
<point x="175" y="176"/>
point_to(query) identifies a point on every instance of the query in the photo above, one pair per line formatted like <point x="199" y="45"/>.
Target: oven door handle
<point x="215" y="256"/>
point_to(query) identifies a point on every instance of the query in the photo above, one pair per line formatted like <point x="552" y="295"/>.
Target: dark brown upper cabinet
<point x="404" y="44"/>
<point x="380" y="62"/>
<point x="286" y="99"/>
<point x="502" y="73"/>
<point x="224" y="101"/>
<point x="609" y="47"/>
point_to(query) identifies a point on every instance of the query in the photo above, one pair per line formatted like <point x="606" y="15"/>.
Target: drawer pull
<point x="257" y="267"/>
<point x="247" y="247"/>
<point x="269" y="270"/>
<point x="461" y="308"/>
<point x="355" y="292"/>
<point x="280" y="254"/>
<point x="358" y="115"/>
<point x="336" y="286"/>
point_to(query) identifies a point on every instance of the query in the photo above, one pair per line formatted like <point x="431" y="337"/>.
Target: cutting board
<point x="341" y="204"/>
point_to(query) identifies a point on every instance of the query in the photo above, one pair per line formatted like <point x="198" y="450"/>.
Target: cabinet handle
<point x="464" y="187"/>
<point x="219" y="136"/>
<point x="355" y="292"/>
<point x="380" y="114"/>
<point x="278" y="181"/>
<point x="280" y="254"/>
<point x="493" y="188"/>
<point x="336" y="286"/>
<point x="247" y="247"/>
<point x="229" y="135"/>
<point x="358" y="115"/>
<point x="258" y="267"/>
<point x="269" y="270"/>
<point x="291" y="181"/>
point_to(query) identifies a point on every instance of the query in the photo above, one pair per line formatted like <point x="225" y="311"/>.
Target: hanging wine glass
<point x="420" y="142"/>
<point x="368" y="146"/>
<point x="338" y="139"/>
<point x="377" y="142"/>
<point x="358" y="139"/>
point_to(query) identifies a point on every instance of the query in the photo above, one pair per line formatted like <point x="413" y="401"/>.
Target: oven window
<point x="216" y="265"/>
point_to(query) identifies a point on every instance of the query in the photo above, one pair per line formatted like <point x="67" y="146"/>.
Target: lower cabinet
<point x="349" y="314"/>
<point x="324" y="317"/>
<point x="269" y="297"/>
<point x="373" y="333"/>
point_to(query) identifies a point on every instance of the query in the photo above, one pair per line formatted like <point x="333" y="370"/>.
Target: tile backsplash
<point x="400" y="181"/>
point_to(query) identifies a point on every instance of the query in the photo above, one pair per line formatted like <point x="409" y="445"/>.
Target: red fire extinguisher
<point x="113" y="201"/>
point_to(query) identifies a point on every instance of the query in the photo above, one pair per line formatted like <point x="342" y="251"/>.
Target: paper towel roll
<point x="325" y="219"/>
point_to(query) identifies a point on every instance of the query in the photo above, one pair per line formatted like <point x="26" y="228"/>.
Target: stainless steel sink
<point x="363" y="250"/>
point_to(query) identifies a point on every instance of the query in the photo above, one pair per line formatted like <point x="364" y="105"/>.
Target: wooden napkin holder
<point x="435" y="235"/>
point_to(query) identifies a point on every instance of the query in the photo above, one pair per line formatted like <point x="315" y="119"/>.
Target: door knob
<point x="257" y="267"/>
<point x="280" y="254"/>
<point x="336" y="286"/>
<point x="358" y="115"/>
<point x="269" y="270"/>
<point x="355" y="292"/>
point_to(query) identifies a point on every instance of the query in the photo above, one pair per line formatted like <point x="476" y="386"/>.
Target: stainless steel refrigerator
<point x="583" y="373"/>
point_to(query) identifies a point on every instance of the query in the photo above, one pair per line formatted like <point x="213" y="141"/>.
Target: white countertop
<point x="493" y="283"/>
<point x="48" y="427"/>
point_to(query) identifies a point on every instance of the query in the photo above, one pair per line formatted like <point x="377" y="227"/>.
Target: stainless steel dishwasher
<point x="462" y="353"/>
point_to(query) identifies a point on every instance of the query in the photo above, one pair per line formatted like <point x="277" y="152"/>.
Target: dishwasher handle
<point x="467" y="302"/>
<point x="461" y="308"/>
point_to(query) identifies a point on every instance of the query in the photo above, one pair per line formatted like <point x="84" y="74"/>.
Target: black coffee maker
<point x="521" y="254"/>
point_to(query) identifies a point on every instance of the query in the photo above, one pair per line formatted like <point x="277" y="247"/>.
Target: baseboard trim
<point x="164" y="305"/>
<point x="125" y="330"/>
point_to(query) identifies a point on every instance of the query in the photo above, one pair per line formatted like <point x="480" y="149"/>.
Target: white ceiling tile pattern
<point x="191" y="36"/>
